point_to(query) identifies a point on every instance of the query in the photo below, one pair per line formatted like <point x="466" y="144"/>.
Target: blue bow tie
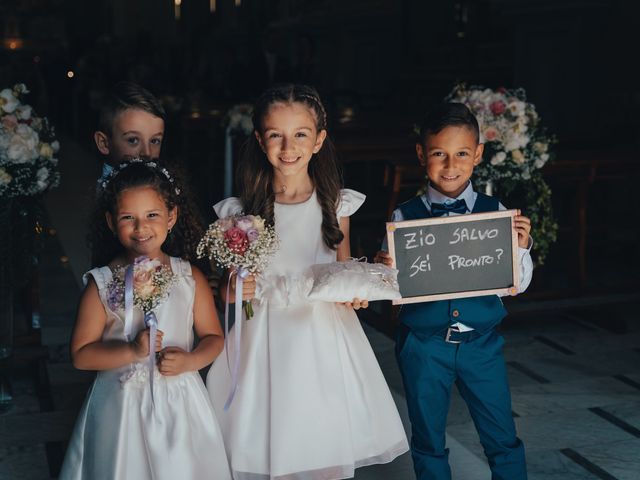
<point x="439" y="209"/>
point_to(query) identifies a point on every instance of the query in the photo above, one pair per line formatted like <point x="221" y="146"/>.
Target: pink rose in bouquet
<point x="143" y="277"/>
<point x="498" y="107"/>
<point x="236" y="240"/>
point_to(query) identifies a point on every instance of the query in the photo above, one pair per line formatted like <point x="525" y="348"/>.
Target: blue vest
<point x="480" y="313"/>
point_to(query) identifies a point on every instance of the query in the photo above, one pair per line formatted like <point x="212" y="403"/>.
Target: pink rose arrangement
<point x="152" y="282"/>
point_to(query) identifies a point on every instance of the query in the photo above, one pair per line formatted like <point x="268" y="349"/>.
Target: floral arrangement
<point x="152" y="282"/>
<point x="515" y="144"/>
<point x="240" y="242"/>
<point x="516" y="147"/>
<point x="239" y="119"/>
<point x="28" y="165"/>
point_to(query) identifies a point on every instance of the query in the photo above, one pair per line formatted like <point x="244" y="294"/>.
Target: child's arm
<point x="343" y="253"/>
<point x="88" y="351"/>
<point x="522" y="226"/>
<point x="383" y="257"/>
<point x="174" y="360"/>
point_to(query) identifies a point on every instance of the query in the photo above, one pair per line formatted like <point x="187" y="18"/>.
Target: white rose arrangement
<point x="28" y="147"/>
<point x="515" y="144"/>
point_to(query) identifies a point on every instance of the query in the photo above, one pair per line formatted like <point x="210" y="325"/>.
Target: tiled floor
<point x="574" y="377"/>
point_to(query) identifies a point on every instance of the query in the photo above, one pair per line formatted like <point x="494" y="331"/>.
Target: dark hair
<point x="185" y="234"/>
<point x="448" y="115"/>
<point x="255" y="179"/>
<point x="124" y="96"/>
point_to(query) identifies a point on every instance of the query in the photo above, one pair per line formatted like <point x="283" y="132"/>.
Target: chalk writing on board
<point x="450" y="257"/>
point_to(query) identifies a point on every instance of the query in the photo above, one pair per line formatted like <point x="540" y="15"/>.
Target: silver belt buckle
<point x="448" y="336"/>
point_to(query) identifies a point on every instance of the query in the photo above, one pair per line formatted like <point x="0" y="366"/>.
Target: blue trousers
<point x="429" y="368"/>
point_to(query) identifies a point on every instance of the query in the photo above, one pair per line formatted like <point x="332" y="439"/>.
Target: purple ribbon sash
<point x="241" y="273"/>
<point x="150" y="321"/>
<point x="128" y="302"/>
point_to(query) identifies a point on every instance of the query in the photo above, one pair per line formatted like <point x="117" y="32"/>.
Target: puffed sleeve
<point x="227" y="207"/>
<point x="350" y="202"/>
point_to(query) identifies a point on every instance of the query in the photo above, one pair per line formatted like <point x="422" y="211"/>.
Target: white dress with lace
<point x="311" y="402"/>
<point x="119" y="434"/>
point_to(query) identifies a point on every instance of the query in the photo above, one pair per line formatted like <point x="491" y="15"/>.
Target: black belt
<point x="453" y="335"/>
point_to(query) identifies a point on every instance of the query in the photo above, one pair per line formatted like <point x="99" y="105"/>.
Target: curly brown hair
<point x="255" y="173"/>
<point x="185" y="234"/>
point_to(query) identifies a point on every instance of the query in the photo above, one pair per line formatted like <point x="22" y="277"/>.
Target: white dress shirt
<point x="470" y="196"/>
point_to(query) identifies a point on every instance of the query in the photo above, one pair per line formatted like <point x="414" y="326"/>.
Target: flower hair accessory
<point x="106" y="178"/>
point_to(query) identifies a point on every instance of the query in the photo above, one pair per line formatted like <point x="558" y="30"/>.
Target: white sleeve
<point x="526" y="266"/>
<point x="227" y="207"/>
<point x="524" y="262"/>
<point x="350" y="201"/>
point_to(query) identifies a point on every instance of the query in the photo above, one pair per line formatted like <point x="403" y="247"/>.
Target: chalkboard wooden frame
<point x="473" y="217"/>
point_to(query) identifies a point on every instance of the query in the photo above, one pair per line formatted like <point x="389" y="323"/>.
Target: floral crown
<point x="106" y="179"/>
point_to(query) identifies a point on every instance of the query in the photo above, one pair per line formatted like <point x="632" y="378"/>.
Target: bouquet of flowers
<point x="243" y="243"/>
<point x="152" y="282"/>
<point x="516" y="147"/>
<point x="240" y="242"/>
<point x="28" y="165"/>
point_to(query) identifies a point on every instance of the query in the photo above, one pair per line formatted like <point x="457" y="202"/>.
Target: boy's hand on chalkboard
<point x="523" y="227"/>
<point x="383" y="257"/>
<point x="357" y="304"/>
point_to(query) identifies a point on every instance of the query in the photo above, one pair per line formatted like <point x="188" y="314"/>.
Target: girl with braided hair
<point x="311" y="401"/>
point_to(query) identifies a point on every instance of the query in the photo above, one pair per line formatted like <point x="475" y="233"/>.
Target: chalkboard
<point x="455" y="257"/>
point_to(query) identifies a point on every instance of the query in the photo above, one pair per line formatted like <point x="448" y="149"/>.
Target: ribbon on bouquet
<point x="240" y="273"/>
<point x="128" y="302"/>
<point x="150" y="321"/>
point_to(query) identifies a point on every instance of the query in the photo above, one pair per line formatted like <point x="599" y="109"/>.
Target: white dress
<point x="120" y="435"/>
<point x="311" y="402"/>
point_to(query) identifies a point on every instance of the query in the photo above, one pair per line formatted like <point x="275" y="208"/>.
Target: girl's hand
<point x="248" y="288"/>
<point x="523" y="226"/>
<point x="174" y="361"/>
<point x="141" y="343"/>
<point x="384" y="258"/>
<point x="356" y="304"/>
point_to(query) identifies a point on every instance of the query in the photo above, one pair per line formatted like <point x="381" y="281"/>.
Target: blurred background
<point x="378" y="64"/>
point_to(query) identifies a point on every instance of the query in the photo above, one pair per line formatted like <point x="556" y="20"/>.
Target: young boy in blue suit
<point x="455" y="341"/>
